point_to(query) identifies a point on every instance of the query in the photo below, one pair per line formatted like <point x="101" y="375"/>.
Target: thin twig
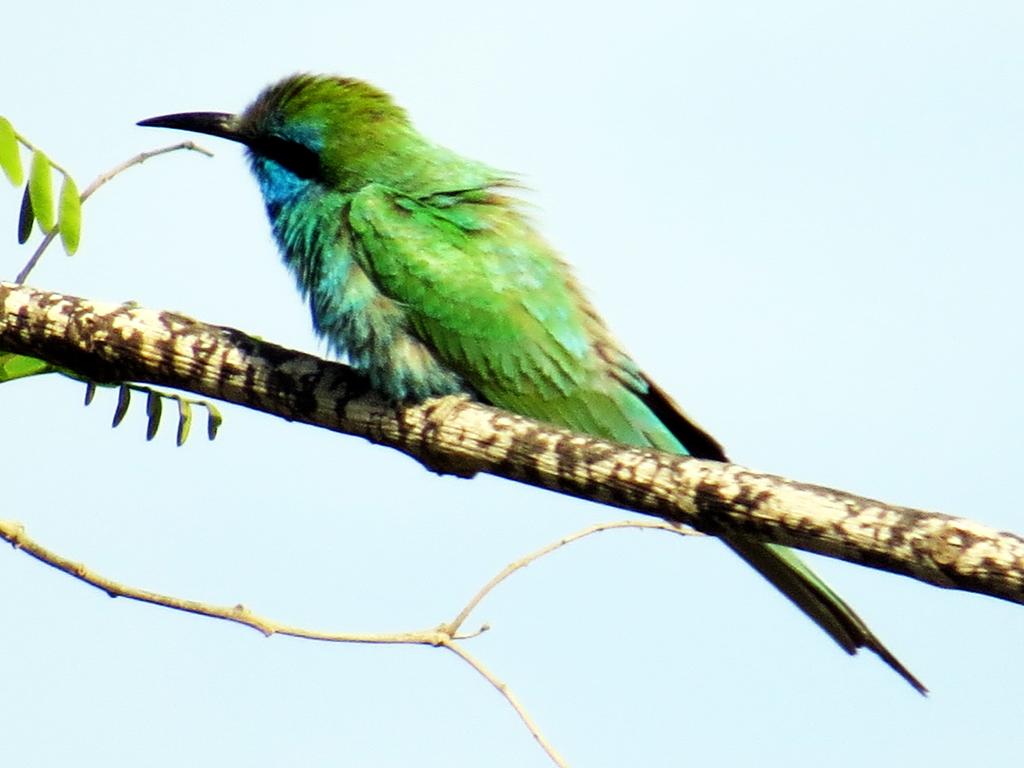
<point x="513" y="701"/>
<point x="453" y="627"/>
<point x="444" y="635"/>
<point x="139" y="159"/>
<point x="33" y="148"/>
<point x="14" y="534"/>
<point x="98" y="182"/>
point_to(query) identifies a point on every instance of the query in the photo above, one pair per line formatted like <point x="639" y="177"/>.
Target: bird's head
<point x="320" y="134"/>
<point x="337" y="132"/>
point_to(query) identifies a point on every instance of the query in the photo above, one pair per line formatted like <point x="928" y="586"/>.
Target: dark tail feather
<point x="799" y="583"/>
<point x="695" y="440"/>
<point x="779" y="565"/>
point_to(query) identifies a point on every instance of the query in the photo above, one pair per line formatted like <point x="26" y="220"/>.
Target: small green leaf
<point x="124" y="397"/>
<point x="184" y="420"/>
<point x="154" y="406"/>
<point x="69" y="220"/>
<point x="19" y="366"/>
<point x="10" y="153"/>
<point x="90" y="391"/>
<point x="25" y="218"/>
<point x="214" y="421"/>
<point x="41" y="190"/>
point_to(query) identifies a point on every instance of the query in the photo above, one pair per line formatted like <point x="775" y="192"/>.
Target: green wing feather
<point x="477" y="281"/>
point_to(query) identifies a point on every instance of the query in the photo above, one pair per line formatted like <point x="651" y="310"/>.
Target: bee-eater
<point x="421" y="268"/>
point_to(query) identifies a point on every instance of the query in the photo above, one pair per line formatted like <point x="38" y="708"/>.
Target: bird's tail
<point x="794" y="578"/>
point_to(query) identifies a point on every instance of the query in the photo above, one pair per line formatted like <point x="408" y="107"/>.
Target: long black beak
<point x="219" y="124"/>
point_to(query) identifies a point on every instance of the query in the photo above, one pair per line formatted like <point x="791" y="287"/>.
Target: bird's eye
<point x="297" y="158"/>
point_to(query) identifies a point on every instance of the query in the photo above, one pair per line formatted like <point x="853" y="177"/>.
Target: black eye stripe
<point x="297" y="158"/>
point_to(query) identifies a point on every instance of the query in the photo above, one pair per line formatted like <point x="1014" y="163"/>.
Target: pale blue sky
<point x="802" y="217"/>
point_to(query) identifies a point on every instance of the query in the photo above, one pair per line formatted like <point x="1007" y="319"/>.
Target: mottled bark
<point x="112" y="343"/>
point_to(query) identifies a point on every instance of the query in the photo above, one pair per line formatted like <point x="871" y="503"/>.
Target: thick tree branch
<point x="111" y="343"/>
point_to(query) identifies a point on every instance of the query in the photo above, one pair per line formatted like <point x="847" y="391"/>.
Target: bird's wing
<point x="471" y="291"/>
<point x="496" y="305"/>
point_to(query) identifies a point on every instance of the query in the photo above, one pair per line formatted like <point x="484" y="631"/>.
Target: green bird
<point x="423" y="271"/>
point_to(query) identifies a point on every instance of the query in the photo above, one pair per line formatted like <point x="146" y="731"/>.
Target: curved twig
<point x="444" y="635"/>
<point x="456" y="623"/>
<point x="513" y="701"/>
<point x="98" y="182"/>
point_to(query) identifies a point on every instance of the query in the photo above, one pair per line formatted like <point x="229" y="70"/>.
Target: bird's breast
<point x="348" y="308"/>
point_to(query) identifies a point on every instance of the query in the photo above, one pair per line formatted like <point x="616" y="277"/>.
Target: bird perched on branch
<point x="420" y="267"/>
